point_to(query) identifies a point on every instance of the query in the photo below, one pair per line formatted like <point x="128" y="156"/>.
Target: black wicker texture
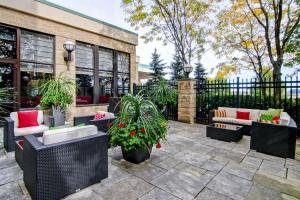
<point x="224" y="134"/>
<point x="57" y="170"/>
<point x="274" y="139"/>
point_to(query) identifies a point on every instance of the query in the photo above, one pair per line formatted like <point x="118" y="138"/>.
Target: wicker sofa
<point x="274" y="139"/>
<point x="13" y="133"/>
<point x="63" y="161"/>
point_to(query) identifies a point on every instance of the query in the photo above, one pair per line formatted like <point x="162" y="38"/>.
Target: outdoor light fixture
<point x="69" y="47"/>
<point x="187" y="68"/>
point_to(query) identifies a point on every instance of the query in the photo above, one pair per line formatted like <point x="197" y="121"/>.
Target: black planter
<point x="136" y="156"/>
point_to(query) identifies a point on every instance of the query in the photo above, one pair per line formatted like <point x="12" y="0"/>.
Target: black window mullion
<point x="115" y="74"/>
<point x="96" y="75"/>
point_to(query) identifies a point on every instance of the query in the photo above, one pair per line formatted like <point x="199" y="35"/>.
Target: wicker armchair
<point x="53" y="171"/>
<point x="9" y="135"/>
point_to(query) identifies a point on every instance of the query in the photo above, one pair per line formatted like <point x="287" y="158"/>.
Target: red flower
<point x="121" y="125"/>
<point x="158" y="145"/>
<point x="108" y="124"/>
<point x="132" y="133"/>
<point x="142" y="130"/>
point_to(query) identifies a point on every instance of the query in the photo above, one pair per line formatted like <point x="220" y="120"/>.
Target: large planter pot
<point x="136" y="155"/>
<point x="59" y="116"/>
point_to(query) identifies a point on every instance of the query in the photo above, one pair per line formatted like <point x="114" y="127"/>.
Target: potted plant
<point x="138" y="126"/>
<point x="57" y="94"/>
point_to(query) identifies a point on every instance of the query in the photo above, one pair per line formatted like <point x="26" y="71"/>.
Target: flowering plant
<point x="138" y="125"/>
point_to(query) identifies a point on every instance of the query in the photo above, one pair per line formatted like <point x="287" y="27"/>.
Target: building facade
<point x="32" y="34"/>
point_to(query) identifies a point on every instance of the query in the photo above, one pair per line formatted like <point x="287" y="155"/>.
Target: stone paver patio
<point x="188" y="166"/>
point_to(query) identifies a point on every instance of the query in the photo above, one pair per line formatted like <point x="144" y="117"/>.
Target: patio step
<point x="287" y="186"/>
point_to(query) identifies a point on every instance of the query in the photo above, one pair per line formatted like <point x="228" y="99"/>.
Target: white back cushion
<point x="65" y="134"/>
<point x="254" y="113"/>
<point x="284" y="119"/>
<point x="230" y="112"/>
<point x="14" y="117"/>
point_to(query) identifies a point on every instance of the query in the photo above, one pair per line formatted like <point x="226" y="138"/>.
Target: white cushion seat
<point x="30" y="130"/>
<point x="223" y="119"/>
<point x="243" y="122"/>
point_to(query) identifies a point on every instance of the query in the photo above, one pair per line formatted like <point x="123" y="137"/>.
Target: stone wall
<point x="186" y="101"/>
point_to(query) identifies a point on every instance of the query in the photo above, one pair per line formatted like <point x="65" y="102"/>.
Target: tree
<point x="293" y="48"/>
<point x="176" y="68"/>
<point x="273" y="23"/>
<point x="200" y="74"/>
<point x="157" y="66"/>
<point x="177" y="22"/>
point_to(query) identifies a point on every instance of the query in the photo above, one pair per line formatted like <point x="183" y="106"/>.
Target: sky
<point x="111" y="12"/>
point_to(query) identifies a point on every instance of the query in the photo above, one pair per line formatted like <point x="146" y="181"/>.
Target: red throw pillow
<point x="99" y="116"/>
<point x="28" y="119"/>
<point x="243" y="115"/>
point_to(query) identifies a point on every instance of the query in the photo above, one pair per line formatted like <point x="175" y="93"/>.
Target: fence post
<point x="238" y="92"/>
<point x="134" y="88"/>
<point x="186" y="101"/>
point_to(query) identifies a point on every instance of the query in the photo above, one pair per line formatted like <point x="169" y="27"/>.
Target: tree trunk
<point x="277" y="82"/>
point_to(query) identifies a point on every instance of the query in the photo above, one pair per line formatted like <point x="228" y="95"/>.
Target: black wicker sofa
<point x="274" y="139"/>
<point x="12" y="133"/>
<point x="55" y="169"/>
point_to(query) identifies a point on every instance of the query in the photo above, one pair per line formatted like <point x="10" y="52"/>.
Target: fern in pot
<point x="57" y="95"/>
<point x="138" y="127"/>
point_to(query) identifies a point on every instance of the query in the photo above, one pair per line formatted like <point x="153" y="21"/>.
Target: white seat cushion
<point x="242" y="122"/>
<point x="254" y="113"/>
<point x="223" y="119"/>
<point x="65" y="134"/>
<point x="14" y="117"/>
<point x="230" y="112"/>
<point x="30" y="130"/>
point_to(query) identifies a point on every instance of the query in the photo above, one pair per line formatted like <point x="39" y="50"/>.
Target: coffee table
<point x="224" y="132"/>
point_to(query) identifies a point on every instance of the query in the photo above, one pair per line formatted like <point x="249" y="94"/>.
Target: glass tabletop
<point x="225" y="126"/>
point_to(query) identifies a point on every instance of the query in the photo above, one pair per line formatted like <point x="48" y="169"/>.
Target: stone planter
<point x="136" y="156"/>
<point x="59" y="116"/>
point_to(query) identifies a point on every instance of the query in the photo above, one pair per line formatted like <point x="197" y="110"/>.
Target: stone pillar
<point x="186" y="101"/>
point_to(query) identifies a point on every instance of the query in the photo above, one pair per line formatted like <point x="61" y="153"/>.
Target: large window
<point x="36" y="64"/>
<point x="84" y="73"/>
<point x="105" y="74"/>
<point x="123" y="73"/>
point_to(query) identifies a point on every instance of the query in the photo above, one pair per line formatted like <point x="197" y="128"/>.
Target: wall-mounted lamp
<point x="187" y="68"/>
<point x="69" y="47"/>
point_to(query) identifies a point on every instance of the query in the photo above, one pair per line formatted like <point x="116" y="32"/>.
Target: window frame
<point x="115" y="73"/>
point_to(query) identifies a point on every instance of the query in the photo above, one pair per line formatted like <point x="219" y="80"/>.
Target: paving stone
<point x="11" y="191"/>
<point x="213" y="165"/>
<point x="167" y="163"/>
<point x="185" y="184"/>
<point x="239" y="170"/>
<point x="208" y="194"/>
<point x="288" y="197"/>
<point x="274" y="168"/>
<point x="158" y="194"/>
<point x="230" y="185"/>
<point x="266" y="157"/>
<point x="159" y="156"/>
<point x="115" y="174"/>
<point x="7" y="162"/>
<point x="10" y="174"/>
<point x="115" y="153"/>
<point x="259" y="191"/>
<point x="129" y="188"/>
<point x="196" y="159"/>
<point x="293" y="175"/>
<point x="222" y="154"/>
<point x="241" y="149"/>
<point x="200" y="148"/>
<point x="86" y="194"/>
<point x="252" y="162"/>
<point x="146" y="170"/>
<point x="283" y="185"/>
<point x="292" y="164"/>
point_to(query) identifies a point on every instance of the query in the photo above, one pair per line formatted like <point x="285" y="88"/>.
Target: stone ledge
<point x="289" y="187"/>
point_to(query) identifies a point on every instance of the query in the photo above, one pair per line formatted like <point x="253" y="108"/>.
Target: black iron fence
<point x="171" y="112"/>
<point x="248" y="94"/>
